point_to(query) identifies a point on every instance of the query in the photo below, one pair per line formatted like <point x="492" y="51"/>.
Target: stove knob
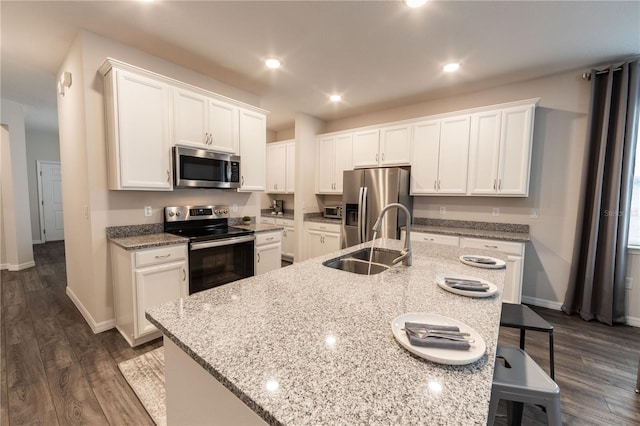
<point x="216" y="211"/>
<point x="171" y="214"/>
<point x="178" y="213"/>
<point x="225" y="211"/>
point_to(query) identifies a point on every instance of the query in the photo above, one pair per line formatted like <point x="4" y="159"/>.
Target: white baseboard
<point x="633" y="321"/>
<point x="543" y="303"/>
<point x="96" y="327"/>
<point x="36" y="242"/>
<point x="21" y="266"/>
<point x="4" y="266"/>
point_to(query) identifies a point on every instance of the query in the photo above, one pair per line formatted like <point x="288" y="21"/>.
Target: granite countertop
<point x="460" y="228"/>
<point x="288" y="214"/>
<point x="134" y="237"/>
<point x="136" y="242"/>
<point x="324" y="336"/>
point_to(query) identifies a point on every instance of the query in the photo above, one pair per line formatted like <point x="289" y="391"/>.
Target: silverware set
<point x="424" y="332"/>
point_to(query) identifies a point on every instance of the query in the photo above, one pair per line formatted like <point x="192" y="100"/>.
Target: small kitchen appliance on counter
<point x="218" y="253"/>
<point x="277" y="207"/>
<point x="333" y="212"/>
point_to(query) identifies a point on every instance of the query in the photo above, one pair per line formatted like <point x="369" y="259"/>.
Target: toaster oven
<point x="333" y="212"/>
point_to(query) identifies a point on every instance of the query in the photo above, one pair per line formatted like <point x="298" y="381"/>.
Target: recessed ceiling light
<point x="335" y="98"/>
<point x="453" y="66"/>
<point x="272" y="63"/>
<point x="415" y="3"/>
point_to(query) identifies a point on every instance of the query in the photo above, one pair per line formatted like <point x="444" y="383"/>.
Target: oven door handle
<point x="222" y="242"/>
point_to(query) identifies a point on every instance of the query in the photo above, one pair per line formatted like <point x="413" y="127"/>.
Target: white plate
<point x="439" y="355"/>
<point x="440" y="279"/>
<point x="498" y="265"/>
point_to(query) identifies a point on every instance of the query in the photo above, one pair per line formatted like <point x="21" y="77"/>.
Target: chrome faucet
<point x="405" y="257"/>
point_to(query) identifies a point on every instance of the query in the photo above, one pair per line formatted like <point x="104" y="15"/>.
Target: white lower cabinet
<point x="450" y="240"/>
<point x="322" y="238"/>
<point x="288" y="239"/>
<point x="268" y="251"/>
<point x="513" y="250"/>
<point x="142" y="279"/>
<point x="515" y="263"/>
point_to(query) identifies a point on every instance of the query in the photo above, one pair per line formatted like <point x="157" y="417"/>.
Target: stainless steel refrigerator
<point x="365" y="193"/>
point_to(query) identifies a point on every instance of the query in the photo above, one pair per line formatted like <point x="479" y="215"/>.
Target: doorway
<point x="50" y="201"/>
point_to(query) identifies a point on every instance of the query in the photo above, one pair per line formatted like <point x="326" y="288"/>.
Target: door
<point x="276" y="168"/>
<point x="395" y="145"/>
<point x="343" y="159"/>
<point x="253" y="146"/>
<point x="365" y="148"/>
<point x="290" y="165"/>
<point x="484" y="152"/>
<point x="51" y="216"/>
<point x="454" y="155"/>
<point x="190" y="119"/>
<point x="515" y="150"/>
<point x="382" y="189"/>
<point x="424" y="161"/>
<point x="223" y="127"/>
<point x="268" y="258"/>
<point x="156" y="285"/>
<point x="351" y="201"/>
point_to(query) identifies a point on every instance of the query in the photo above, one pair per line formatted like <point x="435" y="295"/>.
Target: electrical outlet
<point x="234" y="208"/>
<point x="147" y="210"/>
<point x="495" y="211"/>
<point x="628" y="283"/>
<point x="443" y="210"/>
<point x="535" y="214"/>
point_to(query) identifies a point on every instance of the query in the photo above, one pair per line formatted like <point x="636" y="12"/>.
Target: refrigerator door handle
<point x="359" y="219"/>
<point x="363" y="226"/>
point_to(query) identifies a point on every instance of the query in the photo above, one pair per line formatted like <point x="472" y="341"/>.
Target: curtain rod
<point x="587" y="75"/>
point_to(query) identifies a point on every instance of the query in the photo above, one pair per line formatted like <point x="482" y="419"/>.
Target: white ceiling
<point x="377" y="54"/>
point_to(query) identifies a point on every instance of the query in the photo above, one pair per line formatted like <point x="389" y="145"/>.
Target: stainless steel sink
<point x="380" y="255"/>
<point x="357" y="262"/>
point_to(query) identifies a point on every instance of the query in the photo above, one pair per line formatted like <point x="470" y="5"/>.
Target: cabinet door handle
<point x="164" y="256"/>
<point x="499" y="184"/>
<point x="269" y="239"/>
<point x="438" y="184"/>
<point x="383" y="156"/>
<point x="258" y="254"/>
<point x="168" y="176"/>
<point x="494" y="185"/>
<point x="435" y="184"/>
<point x="242" y="181"/>
<point x="491" y="246"/>
<point x="184" y="275"/>
<point x="376" y="158"/>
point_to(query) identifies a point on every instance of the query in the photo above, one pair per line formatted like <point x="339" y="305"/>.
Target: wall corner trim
<point x="95" y="326"/>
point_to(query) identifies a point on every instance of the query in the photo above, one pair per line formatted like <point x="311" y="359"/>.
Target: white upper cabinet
<point x="439" y="160"/>
<point x="387" y="146"/>
<point x="281" y="167"/>
<point x="334" y="156"/>
<point x="203" y="122"/>
<point x="366" y="147"/>
<point x="500" y="151"/>
<point x="395" y="145"/>
<point x="138" y="141"/>
<point x="253" y="141"/>
<point x="223" y="126"/>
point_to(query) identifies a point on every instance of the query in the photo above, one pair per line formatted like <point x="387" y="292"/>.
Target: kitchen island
<point x="308" y="344"/>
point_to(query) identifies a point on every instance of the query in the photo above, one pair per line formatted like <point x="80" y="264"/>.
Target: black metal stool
<point x="522" y="317"/>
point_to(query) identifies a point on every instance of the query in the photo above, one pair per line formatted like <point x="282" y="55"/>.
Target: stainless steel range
<point x="218" y="253"/>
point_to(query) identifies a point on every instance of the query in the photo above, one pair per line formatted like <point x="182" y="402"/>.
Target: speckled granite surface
<point x="133" y="230"/>
<point x="489" y="230"/>
<point x="148" y="240"/>
<point x="324" y="336"/>
<point x="287" y="214"/>
<point x="317" y="217"/>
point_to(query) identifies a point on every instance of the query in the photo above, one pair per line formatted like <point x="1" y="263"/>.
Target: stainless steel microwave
<point x="333" y="212"/>
<point x="202" y="168"/>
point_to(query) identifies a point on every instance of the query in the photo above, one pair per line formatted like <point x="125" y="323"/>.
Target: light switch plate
<point x="535" y="214"/>
<point x="147" y="210"/>
<point x="495" y="211"/>
<point x="443" y="210"/>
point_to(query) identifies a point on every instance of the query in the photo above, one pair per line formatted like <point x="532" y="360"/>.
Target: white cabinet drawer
<point x="284" y="222"/>
<point x="501" y="246"/>
<point x="268" y="220"/>
<point x="323" y="227"/>
<point x="263" y="238"/>
<point x="154" y="255"/>
<point x="449" y="240"/>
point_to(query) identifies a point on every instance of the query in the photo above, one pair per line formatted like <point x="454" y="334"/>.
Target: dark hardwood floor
<point x="54" y="370"/>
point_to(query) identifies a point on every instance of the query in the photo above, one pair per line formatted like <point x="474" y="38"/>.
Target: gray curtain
<point x="598" y="290"/>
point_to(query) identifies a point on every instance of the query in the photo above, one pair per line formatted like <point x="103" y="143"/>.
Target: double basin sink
<point x="357" y="261"/>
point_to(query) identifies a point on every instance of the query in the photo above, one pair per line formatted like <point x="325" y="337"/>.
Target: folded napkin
<point x="480" y="260"/>
<point x="422" y="326"/>
<point x="466" y="284"/>
<point x="437" y="342"/>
